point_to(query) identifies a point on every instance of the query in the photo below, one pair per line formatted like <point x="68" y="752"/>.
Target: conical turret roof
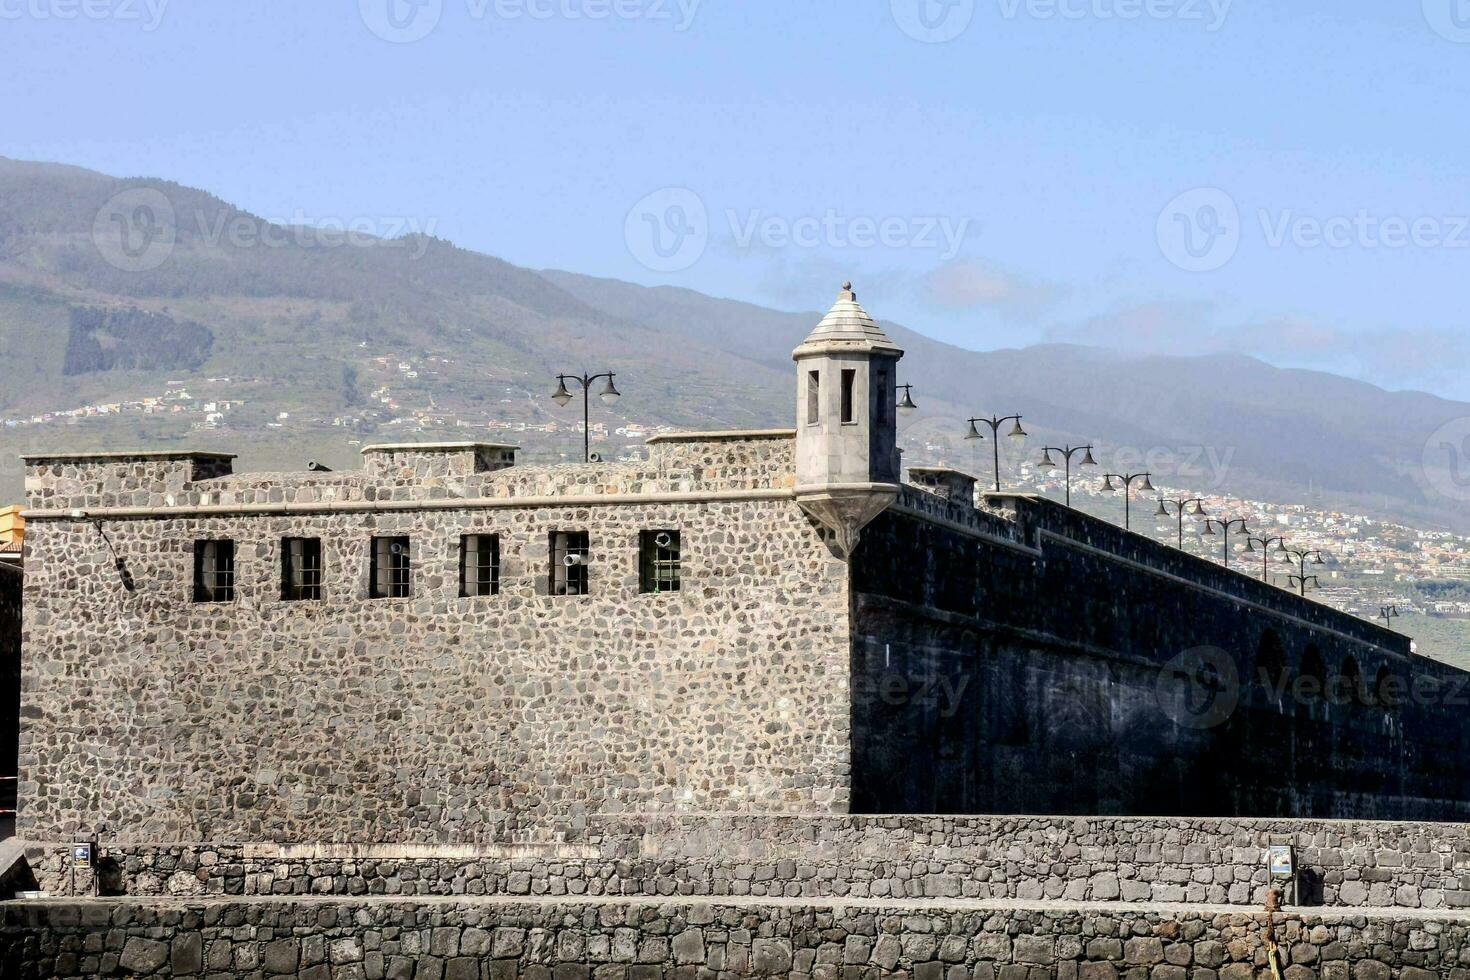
<point x="846" y="327"/>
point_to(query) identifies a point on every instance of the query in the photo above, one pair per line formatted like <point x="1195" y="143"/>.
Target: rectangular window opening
<point x="301" y="568"/>
<point x="848" y="377"/>
<point x="479" y="564"/>
<point x="569" y="562"/>
<point x="214" y="571"/>
<point x="813" y="397"/>
<point x="885" y="400"/>
<point x="391" y="567"/>
<point x="658" y="561"/>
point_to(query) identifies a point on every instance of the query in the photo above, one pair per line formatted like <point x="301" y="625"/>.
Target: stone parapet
<point x="1346" y="863"/>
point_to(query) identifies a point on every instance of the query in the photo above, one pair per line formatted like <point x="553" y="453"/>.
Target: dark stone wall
<point x="10" y="599"/>
<point x="1083" y="669"/>
<point x="678" y="939"/>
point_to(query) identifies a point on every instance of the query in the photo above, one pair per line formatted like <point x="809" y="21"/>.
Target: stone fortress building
<point x="594" y="687"/>
<point x="448" y="647"/>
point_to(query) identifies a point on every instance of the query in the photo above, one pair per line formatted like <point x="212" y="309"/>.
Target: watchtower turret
<point x="847" y="467"/>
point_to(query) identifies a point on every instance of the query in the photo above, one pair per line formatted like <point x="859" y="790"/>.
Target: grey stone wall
<point x="1073" y="667"/>
<point x="435" y="717"/>
<point x="653" y="940"/>
<point x="1344" y="864"/>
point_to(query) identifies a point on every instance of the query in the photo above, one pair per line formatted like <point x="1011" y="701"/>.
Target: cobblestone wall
<point x="433" y="717"/>
<point x="412" y="940"/>
<point x="1345" y="864"/>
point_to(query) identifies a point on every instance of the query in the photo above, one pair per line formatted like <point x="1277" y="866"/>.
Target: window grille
<point x="214" y="571"/>
<point x="301" y="568"/>
<point x="390" y="568"/>
<point x="658" y="561"/>
<point x="569" y="563"/>
<point x="479" y="564"/>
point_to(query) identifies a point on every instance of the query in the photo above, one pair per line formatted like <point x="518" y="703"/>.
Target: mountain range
<point x="152" y="302"/>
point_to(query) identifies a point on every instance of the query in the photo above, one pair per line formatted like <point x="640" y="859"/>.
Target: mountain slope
<point x="289" y="343"/>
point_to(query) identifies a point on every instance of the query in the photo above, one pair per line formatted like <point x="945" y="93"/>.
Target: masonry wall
<point x="654" y="940"/>
<point x="1074" y="667"/>
<point x="431" y="718"/>
<point x="1356" y="865"/>
<point x="10" y="626"/>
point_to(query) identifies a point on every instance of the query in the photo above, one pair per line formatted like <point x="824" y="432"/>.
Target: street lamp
<point x="1265" y="543"/>
<point x="1181" y="507"/>
<point x="1388" y="614"/>
<point x="1016" y="435"/>
<point x="1225" y="526"/>
<point x="1304" y="558"/>
<point x="561" y="396"/>
<point x="906" y="403"/>
<point x="1067" y="453"/>
<point x="1127" y="487"/>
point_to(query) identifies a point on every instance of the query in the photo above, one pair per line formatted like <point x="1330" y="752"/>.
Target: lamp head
<point x="1047" y="463"/>
<point x="906" y="403"/>
<point x="561" y="396"/>
<point x="1147" y="485"/>
<point x="1017" y="434"/>
<point x="1088" y="460"/>
<point x="610" y="393"/>
<point x="974" y="433"/>
<point x="1199" y="509"/>
<point x="1162" y="511"/>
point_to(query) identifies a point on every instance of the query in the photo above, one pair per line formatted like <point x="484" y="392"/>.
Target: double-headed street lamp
<point x="1304" y="558"/>
<point x="1181" y="507"/>
<point x="561" y="396"/>
<point x="1126" y="481"/>
<point x="1265" y="544"/>
<point x="1388" y="614"/>
<point x="1017" y="435"/>
<point x="1225" y="525"/>
<point x="1067" y="453"/>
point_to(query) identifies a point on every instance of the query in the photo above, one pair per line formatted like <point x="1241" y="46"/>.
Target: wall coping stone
<point x="721" y="435"/>
<point x="433" y="447"/>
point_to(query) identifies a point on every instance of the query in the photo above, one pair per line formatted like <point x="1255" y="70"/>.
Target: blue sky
<point x="1284" y="179"/>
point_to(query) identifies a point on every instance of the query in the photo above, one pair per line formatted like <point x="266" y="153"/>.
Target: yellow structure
<point x="12" y="533"/>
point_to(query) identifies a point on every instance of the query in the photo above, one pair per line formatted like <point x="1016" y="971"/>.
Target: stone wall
<point x="653" y="940"/>
<point x="1344" y="864"/>
<point x="435" y="717"/>
<point x="10" y="626"/>
<point x="1076" y="668"/>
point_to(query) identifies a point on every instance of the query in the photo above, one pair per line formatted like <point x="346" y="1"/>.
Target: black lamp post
<point x="906" y="404"/>
<point x="1126" y="480"/>
<point x="1225" y="525"/>
<point x="1016" y="435"/>
<point x="1388" y="614"/>
<point x="1181" y="507"/>
<point x="1304" y="558"/>
<point x="1266" y="543"/>
<point x="561" y="396"/>
<point x="1067" y="453"/>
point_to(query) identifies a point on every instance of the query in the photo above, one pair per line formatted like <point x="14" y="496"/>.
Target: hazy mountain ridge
<point x="306" y="328"/>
